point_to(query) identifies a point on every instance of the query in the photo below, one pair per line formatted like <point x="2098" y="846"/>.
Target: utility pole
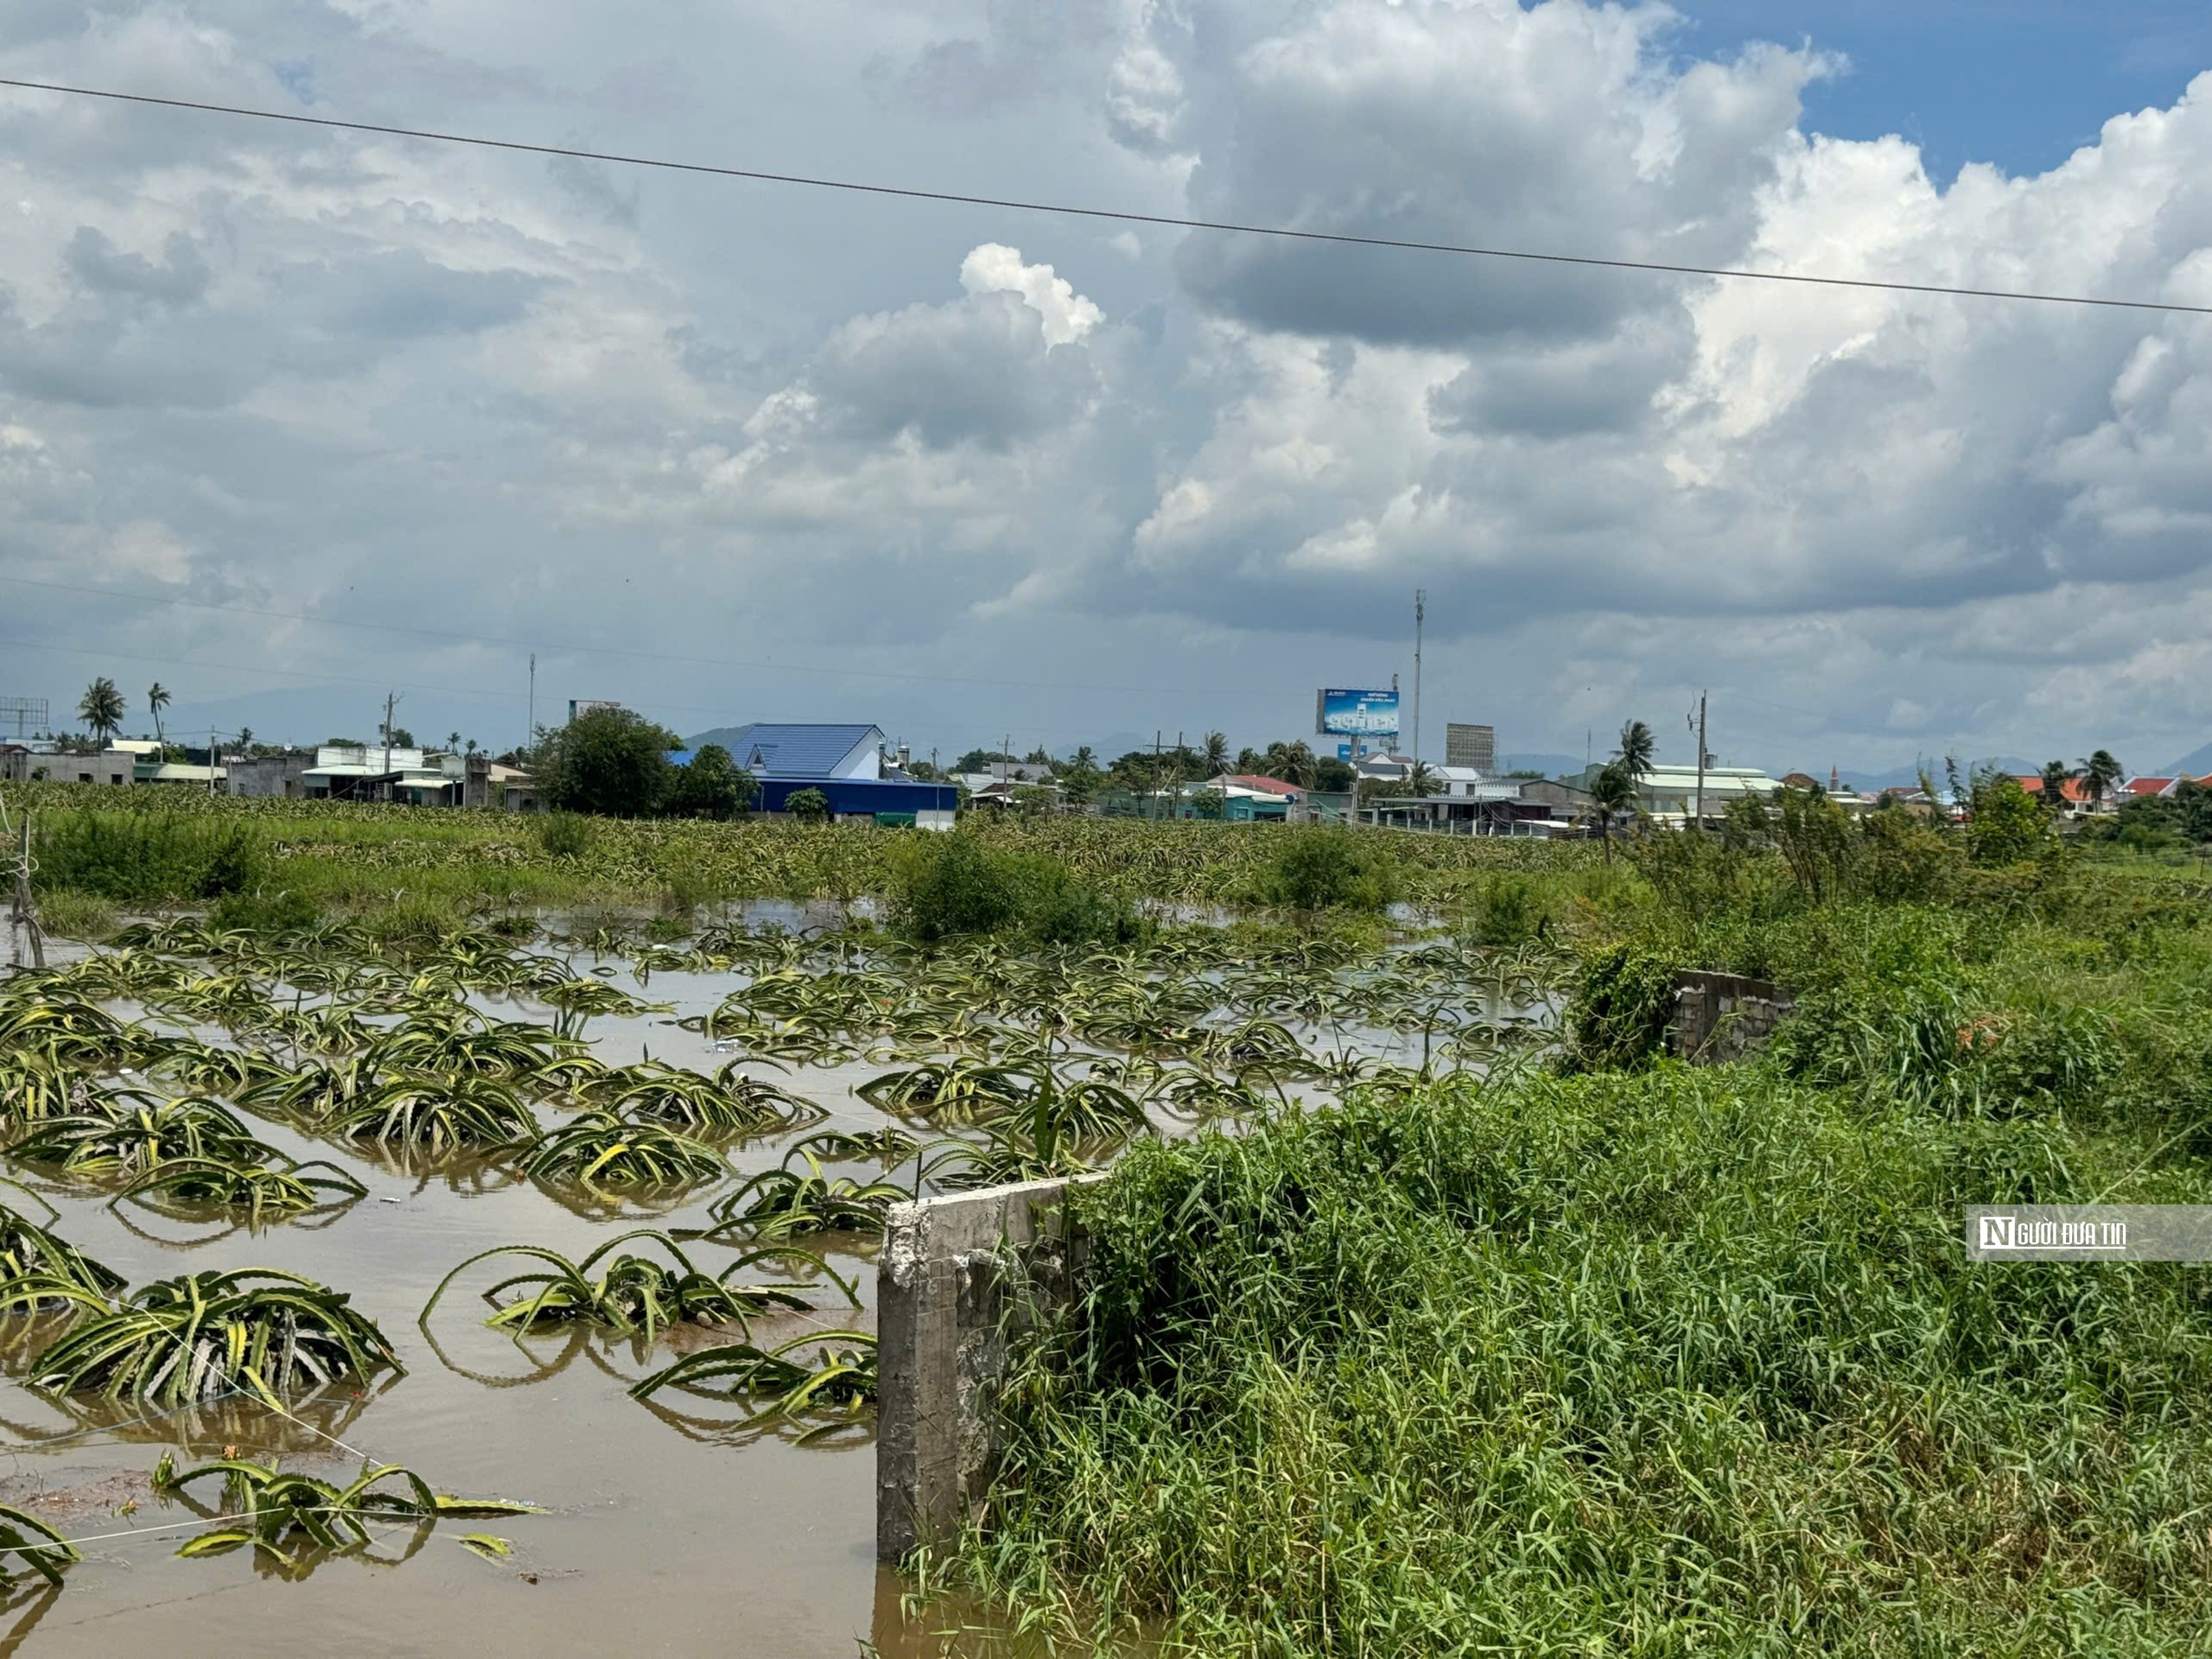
<point x="1421" y="605"/>
<point x="1152" y="807"/>
<point x="1701" y="759"/>
<point x="530" y="736"/>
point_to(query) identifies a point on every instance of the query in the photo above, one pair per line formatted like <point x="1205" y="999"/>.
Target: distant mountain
<point x="2195" y="763"/>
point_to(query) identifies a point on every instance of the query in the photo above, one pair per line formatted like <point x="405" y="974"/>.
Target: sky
<point x="290" y="419"/>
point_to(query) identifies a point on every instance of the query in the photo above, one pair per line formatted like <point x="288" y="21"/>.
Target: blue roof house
<point x="845" y="763"/>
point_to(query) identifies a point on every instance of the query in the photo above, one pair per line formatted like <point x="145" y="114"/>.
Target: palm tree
<point x="1085" y="760"/>
<point x="1612" y="790"/>
<point x="2055" y="777"/>
<point x="453" y="742"/>
<point x="1419" y="777"/>
<point x="245" y="739"/>
<point x="1636" y="750"/>
<point x="2100" y="775"/>
<point x="102" y="708"/>
<point x="158" y="699"/>
<point x="1217" y="754"/>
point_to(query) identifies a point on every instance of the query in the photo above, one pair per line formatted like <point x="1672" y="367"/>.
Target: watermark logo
<point x="2089" y="1232"/>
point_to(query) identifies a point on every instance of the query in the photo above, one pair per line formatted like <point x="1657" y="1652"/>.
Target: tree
<point x="158" y="699"/>
<point x="245" y="739"/>
<point x="2100" y="775"/>
<point x="807" y="806"/>
<point x="712" y="786"/>
<point x="1217" y="754"/>
<point x="1636" y="750"/>
<point x="1037" y="757"/>
<point x="2055" y="779"/>
<point x="1612" y="791"/>
<point x="1420" y="779"/>
<point x="453" y="742"/>
<point x="1291" y="762"/>
<point x="1084" y="759"/>
<point x="2007" y="825"/>
<point x="102" y="708"/>
<point x="611" y="761"/>
<point x="1332" y="776"/>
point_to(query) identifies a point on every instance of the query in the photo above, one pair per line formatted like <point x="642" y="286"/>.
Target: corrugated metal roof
<point x="794" y="751"/>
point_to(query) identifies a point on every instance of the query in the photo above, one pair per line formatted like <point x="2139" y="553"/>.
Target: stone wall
<point x="1720" y="1017"/>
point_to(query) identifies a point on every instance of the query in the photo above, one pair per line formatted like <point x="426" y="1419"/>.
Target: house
<point x="1671" y="792"/>
<point x="2074" y="795"/>
<point x="844" y="763"/>
<point x="770" y="749"/>
<point x="109" y="765"/>
<point x="269" y="776"/>
<point x="377" y="772"/>
<point x="1248" y="798"/>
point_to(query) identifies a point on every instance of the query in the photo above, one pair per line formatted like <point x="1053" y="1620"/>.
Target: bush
<point x="147" y="857"/>
<point x="1507" y="909"/>
<point x="261" y="913"/>
<point x="947" y="885"/>
<point x="564" y="834"/>
<point x="1319" y="869"/>
<point x="807" y="806"/>
<point x="1618" y="1018"/>
<point x="944" y="887"/>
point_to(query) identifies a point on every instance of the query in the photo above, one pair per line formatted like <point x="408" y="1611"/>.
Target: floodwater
<point x="668" y="1526"/>
<point x="668" y="1529"/>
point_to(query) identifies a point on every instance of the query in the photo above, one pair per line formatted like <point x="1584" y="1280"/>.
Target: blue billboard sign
<point x="1355" y="713"/>
<point x="1343" y="751"/>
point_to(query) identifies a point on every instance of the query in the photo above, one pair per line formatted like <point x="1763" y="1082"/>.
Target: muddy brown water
<point x="669" y="1526"/>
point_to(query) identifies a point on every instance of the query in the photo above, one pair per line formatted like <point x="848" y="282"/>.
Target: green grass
<point x="1684" y="1363"/>
<point x="1626" y="1357"/>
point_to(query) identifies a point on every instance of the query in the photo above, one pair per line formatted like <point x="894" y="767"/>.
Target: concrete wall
<point x="1720" y="1017"/>
<point x="957" y="1274"/>
<point x="269" y="775"/>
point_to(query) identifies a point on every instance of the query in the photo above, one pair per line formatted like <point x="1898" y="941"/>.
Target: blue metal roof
<point x="765" y="748"/>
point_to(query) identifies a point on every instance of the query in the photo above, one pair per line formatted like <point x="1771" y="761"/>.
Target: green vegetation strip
<point x="1682" y="1363"/>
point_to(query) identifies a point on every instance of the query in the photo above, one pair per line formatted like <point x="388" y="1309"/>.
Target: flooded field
<point x="696" y="1519"/>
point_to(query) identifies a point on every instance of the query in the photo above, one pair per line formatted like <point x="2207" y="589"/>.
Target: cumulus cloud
<point x="995" y="268"/>
<point x="371" y="373"/>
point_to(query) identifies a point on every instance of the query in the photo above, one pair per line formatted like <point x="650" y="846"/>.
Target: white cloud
<point x="995" y="268"/>
<point x="711" y="419"/>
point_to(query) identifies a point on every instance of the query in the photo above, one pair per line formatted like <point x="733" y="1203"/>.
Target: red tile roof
<point x="2148" y="786"/>
<point x="1272" y="785"/>
<point x="2070" y="790"/>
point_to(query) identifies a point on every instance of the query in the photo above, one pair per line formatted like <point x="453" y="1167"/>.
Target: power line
<point x="1117" y="216"/>
<point x="617" y="651"/>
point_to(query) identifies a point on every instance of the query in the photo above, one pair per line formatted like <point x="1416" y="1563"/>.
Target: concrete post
<point x="957" y="1273"/>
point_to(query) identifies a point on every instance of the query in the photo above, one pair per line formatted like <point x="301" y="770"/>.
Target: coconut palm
<point x="2100" y="775"/>
<point x="102" y="708"/>
<point x="2055" y="778"/>
<point x="1635" y="750"/>
<point x="1216" y="754"/>
<point x="158" y="699"/>
<point x="1612" y="791"/>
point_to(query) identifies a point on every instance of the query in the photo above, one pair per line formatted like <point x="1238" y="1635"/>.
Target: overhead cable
<point x="1118" y="215"/>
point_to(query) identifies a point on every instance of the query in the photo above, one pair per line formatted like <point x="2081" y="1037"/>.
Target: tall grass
<point x="1681" y="1363"/>
<point x="146" y="856"/>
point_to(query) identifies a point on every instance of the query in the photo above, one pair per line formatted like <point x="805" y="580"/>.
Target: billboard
<point x="1355" y="713"/>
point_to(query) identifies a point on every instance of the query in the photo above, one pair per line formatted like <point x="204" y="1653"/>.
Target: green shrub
<point x="807" y="806"/>
<point x="1507" y="909"/>
<point x="564" y="834"/>
<point x="946" y="885"/>
<point x="1617" y="1017"/>
<point x="68" y="914"/>
<point x="147" y="857"/>
<point x="264" y="912"/>
<point x="1319" y="869"/>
